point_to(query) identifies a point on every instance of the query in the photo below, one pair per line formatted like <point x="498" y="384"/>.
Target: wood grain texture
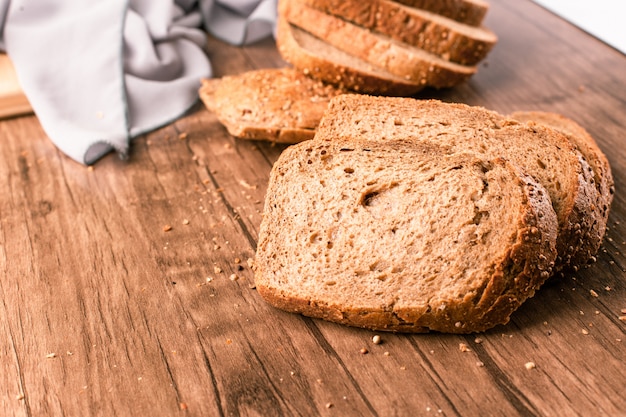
<point x="117" y="294"/>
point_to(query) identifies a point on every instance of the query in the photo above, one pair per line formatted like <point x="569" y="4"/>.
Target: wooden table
<point x="106" y="311"/>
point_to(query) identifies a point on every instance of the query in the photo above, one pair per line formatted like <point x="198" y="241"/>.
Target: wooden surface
<point x="105" y="313"/>
<point x="13" y="102"/>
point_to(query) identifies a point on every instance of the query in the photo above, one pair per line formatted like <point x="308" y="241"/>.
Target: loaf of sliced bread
<point x="402" y="236"/>
<point x="431" y="32"/>
<point x="470" y="12"/>
<point x="403" y="60"/>
<point x="602" y="175"/>
<point x="542" y="152"/>
<point x="321" y="60"/>
<point x="278" y="105"/>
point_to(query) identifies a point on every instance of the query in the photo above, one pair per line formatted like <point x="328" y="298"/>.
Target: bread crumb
<point x="386" y="353"/>
<point x="51" y="355"/>
<point x="364" y="351"/>
<point x="584" y="331"/>
<point x="237" y="260"/>
<point x="329" y="405"/>
<point x="182" y="136"/>
<point x="376" y="340"/>
<point x="622" y="318"/>
<point x="478" y="340"/>
<point x="233" y="277"/>
<point x="464" y="348"/>
<point x="217" y="269"/>
<point x="167" y="228"/>
<point x="593" y="293"/>
<point x="530" y="365"/>
<point x="183" y="406"/>
<point x="480" y="364"/>
<point x="185" y="222"/>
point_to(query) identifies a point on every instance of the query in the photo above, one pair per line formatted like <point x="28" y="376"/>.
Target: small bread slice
<point x="470" y="12"/>
<point x="405" y="61"/>
<point x="400" y="236"/>
<point x="542" y="152"/>
<point x="318" y="59"/>
<point x="602" y="175"/>
<point x="278" y="105"/>
<point x="444" y="37"/>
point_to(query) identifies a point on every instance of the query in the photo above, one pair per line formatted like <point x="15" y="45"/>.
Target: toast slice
<point x="441" y="36"/>
<point x="401" y="236"/>
<point x="407" y="62"/>
<point x="320" y="60"/>
<point x="542" y="152"/>
<point x="602" y="175"/>
<point x="277" y="105"/>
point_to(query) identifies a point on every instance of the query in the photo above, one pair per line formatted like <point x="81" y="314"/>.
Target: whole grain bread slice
<point x="470" y="12"/>
<point x="405" y="61"/>
<point x="401" y="236"/>
<point x="542" y="152"/>
<point x="602" y="175"/>
<point x="320" y="60"/>
<point x="278" y="105"/>
<point x="444" y="37"/>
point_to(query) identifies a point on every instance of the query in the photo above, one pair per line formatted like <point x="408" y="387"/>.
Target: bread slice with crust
<point x="278" y="105"/>
<point x="402" y="236"/>
<point x="602" y="175"/>
<point x="441" y="36"/>
<point x="318" y="59"/>
<point x="542" y="152"/>
<point x="470" y="12"/>
<point x="405" y="61"/>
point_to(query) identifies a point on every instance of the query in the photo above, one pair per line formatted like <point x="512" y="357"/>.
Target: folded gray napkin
<point x="98" y="74"/>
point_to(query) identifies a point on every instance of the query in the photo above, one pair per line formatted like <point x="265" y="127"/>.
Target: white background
<point x="605" y="19"/>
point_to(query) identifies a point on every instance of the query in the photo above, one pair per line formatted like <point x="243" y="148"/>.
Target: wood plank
<point x="13" y="102"/>
<point x="106" y="311"/>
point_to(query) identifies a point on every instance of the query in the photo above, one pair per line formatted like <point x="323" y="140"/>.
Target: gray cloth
<point x="99" y="73"/>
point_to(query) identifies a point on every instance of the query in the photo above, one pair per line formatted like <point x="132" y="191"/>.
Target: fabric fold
<point x="99" y="74"/>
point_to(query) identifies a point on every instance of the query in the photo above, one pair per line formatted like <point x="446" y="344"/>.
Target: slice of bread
<point x="470" y="12"/>
<point x="278" y="105"/>
<point x="602" y="176"/>
<point x="411" y="63"/>
<point x="542" y="152"/>
<point x="320" y="60"/>
<point x="444" y="37"/>
<point x="401" y="236"/>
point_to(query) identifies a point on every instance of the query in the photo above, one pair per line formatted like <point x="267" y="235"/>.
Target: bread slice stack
<point x="418" y="215"/>
<point x="385" y="47"/>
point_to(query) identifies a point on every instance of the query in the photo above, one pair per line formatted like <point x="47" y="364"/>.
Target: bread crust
<point x="431" y="32"/>
<point x="470" y="12"/>
<point x="598" y="172"/>
<point x="410" y="63"/>
<point x="358" y="78"/>
<point x="475" y="301"/>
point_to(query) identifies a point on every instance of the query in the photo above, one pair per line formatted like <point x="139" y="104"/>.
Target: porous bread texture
<point x="403" y="60"/>
<point x="322" y="61"/>
<point x="602" y="175"/>
<point x="434" y="33"/>
<point x="278" y="105"/>
<point x="470" y="12"/>
<point x="401" y="236"/>
<point x="542" y="152"/>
